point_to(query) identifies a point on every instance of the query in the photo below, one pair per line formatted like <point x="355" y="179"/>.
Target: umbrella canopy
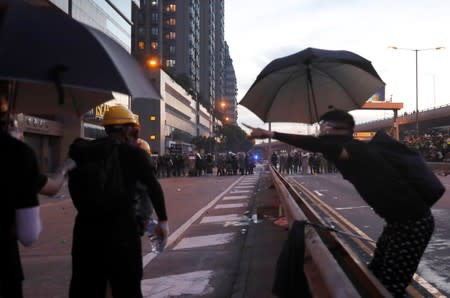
<point x="61" y="65"/>
<point x="302" y="86"/>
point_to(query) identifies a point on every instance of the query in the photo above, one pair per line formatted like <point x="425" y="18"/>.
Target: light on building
<point x="152" y="137"/>
<point x="152" y="62"/>
<point x="152" y="118"/>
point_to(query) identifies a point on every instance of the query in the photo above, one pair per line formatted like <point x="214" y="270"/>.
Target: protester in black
<point x="107" y="246"/>
<point x="409" y="223"/>
<point x="20" y="182"/>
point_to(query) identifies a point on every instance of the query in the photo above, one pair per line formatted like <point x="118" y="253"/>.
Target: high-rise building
<point x="186" y="39"/>
<point x="230" y="90"/>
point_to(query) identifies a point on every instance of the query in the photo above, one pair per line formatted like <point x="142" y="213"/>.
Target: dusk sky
<point x="258" y="31"/>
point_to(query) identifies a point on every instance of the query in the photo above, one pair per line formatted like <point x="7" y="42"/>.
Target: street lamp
<point x="417" y="77"/>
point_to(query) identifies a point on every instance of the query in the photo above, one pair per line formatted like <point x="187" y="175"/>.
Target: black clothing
<point x="391" y="194"/>
<point x="108" y="248"/>
<point x="20" y="182"/>
<point x="290" y="280"/>
<point x="378" y="183"/>
<point x="398" y="252"/>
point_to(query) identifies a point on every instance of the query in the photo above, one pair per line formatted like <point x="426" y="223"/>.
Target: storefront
<point x="44" y="136"/>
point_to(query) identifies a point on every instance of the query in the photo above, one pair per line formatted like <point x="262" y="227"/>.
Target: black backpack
<point x="410" y="165"/>
<point x="96" y="185"/>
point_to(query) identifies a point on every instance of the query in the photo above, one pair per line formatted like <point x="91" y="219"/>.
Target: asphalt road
<point x="47" y="263"/>
<point x="338" y="193"/>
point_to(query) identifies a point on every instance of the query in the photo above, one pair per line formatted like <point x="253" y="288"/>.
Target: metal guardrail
<point x="419" y="287"/>
<point x="331" y="267"/>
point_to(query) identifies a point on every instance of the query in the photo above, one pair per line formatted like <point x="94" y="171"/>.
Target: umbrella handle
<point x="55" y="75"/>
<point x="248" y="126"/>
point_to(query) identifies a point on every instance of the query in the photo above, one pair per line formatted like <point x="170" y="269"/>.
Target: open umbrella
<point x="302" y="86"/>
<point x="59" y="65"/>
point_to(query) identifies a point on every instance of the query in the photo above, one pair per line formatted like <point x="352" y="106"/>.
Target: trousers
<point x="398" y="252"/>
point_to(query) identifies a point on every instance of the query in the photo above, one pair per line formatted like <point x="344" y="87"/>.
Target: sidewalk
<point x="262" y="246"/>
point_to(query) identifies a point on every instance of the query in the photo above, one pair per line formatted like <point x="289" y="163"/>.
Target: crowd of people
<point x="434" y="145"/>
<point x="301" y="162"/>
<point x="199" y="164"/>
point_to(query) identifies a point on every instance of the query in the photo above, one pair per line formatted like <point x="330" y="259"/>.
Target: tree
<point x="234" y="139"/>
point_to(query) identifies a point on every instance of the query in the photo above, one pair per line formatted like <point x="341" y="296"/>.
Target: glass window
<point x="154" y="17"/>
<point x="171" y="8"/>
<point x="172" y="49"/>
<point x="141" y="45"/>
<point x="171" y="35"/>
<point x="155" y="31"/>
<point x="171" y="22"/>
<point x="154" y="45"/>
<point x="154" y="2"/>
<point x="141" y="33"/>
<point x="170" y="62"/>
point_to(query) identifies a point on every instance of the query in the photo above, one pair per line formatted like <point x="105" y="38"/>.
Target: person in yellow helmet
<point x="99" y="237"/>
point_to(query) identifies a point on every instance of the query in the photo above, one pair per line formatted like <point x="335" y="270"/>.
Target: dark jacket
<point x="384" y="188"/>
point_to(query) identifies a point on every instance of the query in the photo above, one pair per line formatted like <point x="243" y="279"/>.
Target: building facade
<point x="185" y="38"/>
<point x="230" y="90"/>
<point x="170" y="123"/>
<point x="50" y="136"/>
<point x="176" y="41"/>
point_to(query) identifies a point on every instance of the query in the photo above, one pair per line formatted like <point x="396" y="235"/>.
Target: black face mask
<point x="339" y="139"/>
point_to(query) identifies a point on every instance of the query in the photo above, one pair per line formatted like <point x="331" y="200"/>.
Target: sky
<point x="259" y="31"/>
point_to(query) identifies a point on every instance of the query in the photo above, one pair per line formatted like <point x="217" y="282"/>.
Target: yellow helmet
<point x="118" y="115"/>
<point x="144" y="145"/>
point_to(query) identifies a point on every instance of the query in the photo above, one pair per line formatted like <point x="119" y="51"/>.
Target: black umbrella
<point x="302" y="86"/>
<point x="60" y="65"/>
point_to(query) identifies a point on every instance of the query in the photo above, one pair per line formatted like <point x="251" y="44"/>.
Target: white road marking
<point x="318" y="193"/>
<point x="239" y="191"/>
<point x="226" y="206"/>
<point x="193" y="283"/>
<point x="234" y="198"/>
<point x="221" y="218"/>
<point x="244" y="186"/>
<point x="236" y="223"/>
<point x="174" y="236"/>
<point x="350" y="208"/>
<point x="202" y="241"/>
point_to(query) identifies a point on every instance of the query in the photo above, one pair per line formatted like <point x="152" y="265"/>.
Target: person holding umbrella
<point x="409" y="222"/>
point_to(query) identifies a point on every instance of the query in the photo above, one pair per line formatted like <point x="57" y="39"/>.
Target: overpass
<point x="430" y="118"/>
